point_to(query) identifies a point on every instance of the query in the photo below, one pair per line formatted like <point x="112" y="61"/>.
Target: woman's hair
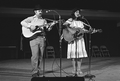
<point x="73" y="12"/>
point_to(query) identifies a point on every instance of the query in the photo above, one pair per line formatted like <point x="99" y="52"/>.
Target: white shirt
<point x="33" y="20"/>
<point x="74" y="23"/>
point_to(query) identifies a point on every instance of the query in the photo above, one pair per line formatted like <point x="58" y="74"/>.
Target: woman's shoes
<point x="73" y="71"/>
<point x="79" y="72"/>
<point x="36" y="74"/>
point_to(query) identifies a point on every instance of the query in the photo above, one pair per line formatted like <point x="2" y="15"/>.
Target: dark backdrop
<point x="10" y="35"/>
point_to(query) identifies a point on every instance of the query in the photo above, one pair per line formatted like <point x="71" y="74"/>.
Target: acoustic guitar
<point x="28" y="33"/>
<point x="71" y="34"/>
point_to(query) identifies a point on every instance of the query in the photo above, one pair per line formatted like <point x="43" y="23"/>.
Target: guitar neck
<point x="45" y="25"/>
<point x="96" y="30"/>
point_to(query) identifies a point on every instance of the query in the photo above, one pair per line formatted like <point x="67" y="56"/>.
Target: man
<point x="33" y="27"/>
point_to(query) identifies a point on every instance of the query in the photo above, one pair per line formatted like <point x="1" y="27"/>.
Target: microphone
<point x="48" y="11"/>
<point x="82" y="17"/>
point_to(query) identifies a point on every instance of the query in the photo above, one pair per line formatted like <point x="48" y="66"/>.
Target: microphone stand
<point x="89" y="75"/>
<point x="60" y="28"/>
<point x="60" y="41"/>
<point x="45" y="38"/>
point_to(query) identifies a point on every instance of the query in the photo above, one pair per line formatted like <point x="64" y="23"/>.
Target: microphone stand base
<point x="89" y="76"/>
<point x="73" y="75"/>
<point x="43" y="76"/>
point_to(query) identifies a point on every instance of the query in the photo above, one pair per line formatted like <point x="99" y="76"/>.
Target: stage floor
<point x="104" y="69"/>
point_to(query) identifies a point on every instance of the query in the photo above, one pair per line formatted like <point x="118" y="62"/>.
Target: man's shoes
<point x="36" y="74"/>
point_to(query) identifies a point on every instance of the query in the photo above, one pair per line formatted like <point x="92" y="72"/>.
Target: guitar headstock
<point x="97" y="30"/>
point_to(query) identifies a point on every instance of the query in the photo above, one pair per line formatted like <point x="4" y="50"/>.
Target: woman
<point x="76" y="48"/>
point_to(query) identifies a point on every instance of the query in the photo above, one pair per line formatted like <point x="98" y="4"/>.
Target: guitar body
<point x="71" y="34"/>
<point x="27" y="32"/>
<point x="68" y="36"/>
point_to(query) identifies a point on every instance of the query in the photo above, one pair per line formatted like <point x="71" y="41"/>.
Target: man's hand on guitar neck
<point x="51" y="24"/>
<point x="54" y="22"/>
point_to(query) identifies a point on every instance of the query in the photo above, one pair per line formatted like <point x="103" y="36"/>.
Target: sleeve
<point x="68" y="21"/>
<point x="26" y="22"/>
<point x="45" y="23"/>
